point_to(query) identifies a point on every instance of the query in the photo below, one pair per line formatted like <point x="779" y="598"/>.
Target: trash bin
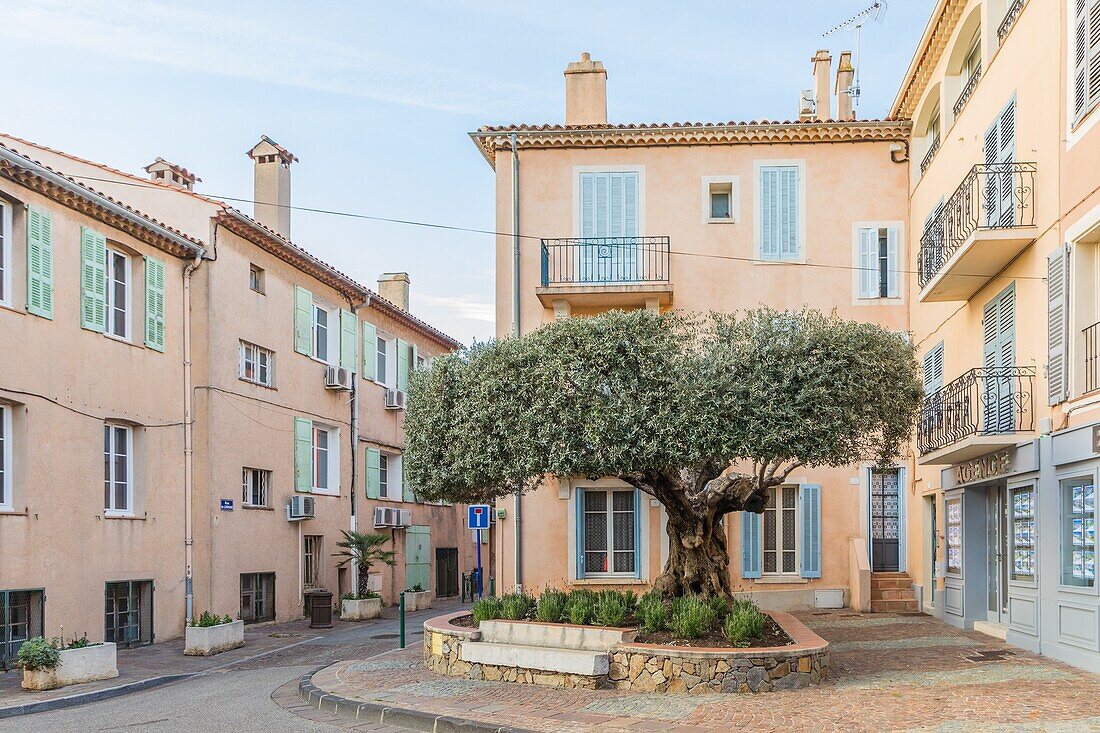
<point x="320" y="609"/>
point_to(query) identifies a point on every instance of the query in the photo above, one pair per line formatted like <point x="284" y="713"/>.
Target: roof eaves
<point x="941" y="24"/>
<point x="395" y="311"/>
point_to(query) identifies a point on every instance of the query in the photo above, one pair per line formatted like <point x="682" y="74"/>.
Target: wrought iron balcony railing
<point x="984" y="401"/>
<point x="1092" y="357"/>
<point x="932" y="150"/>
<point x="992" y="196"/>
<point x="1009" y="19"/>
<point x="605" y="261"/>
<point x="967" y="90"/>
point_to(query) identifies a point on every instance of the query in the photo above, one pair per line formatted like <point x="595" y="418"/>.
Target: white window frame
<point x="258" y="287"/>
<point x="386" y="377"/>
<point x="110" y="478"/>
<point x="1032" y="545"/>
<point x="313" y="328"/>
<point x="1089" y="118"/>
<point x="7" y="500"/>
<point x="128" y="271"/>
<point x="6" y="247"/>
<point x="609" y="510"/>
<point x="899" y="231"/>
<point x="391" y="477"/>
<point x="734" y="183"/>
<point x="252" y="480"/>
<point x="777" y="491"/>
<point x="332" y="459"/>
<point x="250" y="352"/>
<point x="948" y="545"/>
<point x="757" y="203"/>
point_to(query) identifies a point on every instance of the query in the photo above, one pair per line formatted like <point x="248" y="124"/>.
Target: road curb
<point x="61" y="703"/>
<point x="374" y="712"/>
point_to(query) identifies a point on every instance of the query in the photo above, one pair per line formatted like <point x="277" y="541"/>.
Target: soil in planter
<point x="773" y="635"/>
<point x="466" y="622"/>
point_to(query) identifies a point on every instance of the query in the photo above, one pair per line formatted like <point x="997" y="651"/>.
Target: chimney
<point x="823" y="64"/>
<point x="844" y="75"/>
<point x="272" y="192"/>
<point x="172" y="174"/>
<point x="394" y="287"/>
<point x="585" y="92"/>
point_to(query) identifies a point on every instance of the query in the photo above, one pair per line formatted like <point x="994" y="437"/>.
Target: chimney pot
<point x="845" y="73"/>
<point x="394" y="287"/>
<point x="272" y="184"/>
<point x="585" y="92"/>
<point x="172" y="174"/>
<point x="822" y="70"/>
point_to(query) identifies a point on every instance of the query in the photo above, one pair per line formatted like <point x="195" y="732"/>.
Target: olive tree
<point x="704" y="413"/>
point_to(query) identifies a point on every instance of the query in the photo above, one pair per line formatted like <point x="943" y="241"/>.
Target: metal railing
<point x="968" y="89"/>
<point x="983" y="401"/>
<point x="1092" y="357"/>
<point x="1009" y="19"/>
<point x="605" y="261"/>
<point x="992" y="196"/>
<point x="932" y="150"/>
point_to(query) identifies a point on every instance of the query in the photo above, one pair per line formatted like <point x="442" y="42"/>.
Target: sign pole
<point x="477" y="539"/>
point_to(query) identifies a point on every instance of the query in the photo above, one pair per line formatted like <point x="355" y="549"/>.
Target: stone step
<point x="891" y="583"/>
<point x="896" y="605"/>
<point x="555" y="636"/>
<point x="891" y="594"/>
<point x="565" y="661"/>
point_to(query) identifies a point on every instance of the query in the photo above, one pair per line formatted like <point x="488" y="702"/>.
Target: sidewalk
<point x="164" y="663"/>
<point x="887" y="673"/>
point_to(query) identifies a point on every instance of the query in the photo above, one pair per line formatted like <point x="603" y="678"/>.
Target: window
<point x="5" y="253"/>
<point x="1023" y="536"/>
<point x="257" y="364"/>
<point x="1085" y="59"/>
<point x="117" y="469"/>
<point x="313" y="562"/>
<point x="608" y="220"/>
<point x="720" y="202"/>
<point x="128" y="618"/>
<point x="256" y="278"/>
<point x="781" y="531"/>
<point x="607" y="532"/>
<point x="5" y="458"/>
<point x="257" y="597"/>
<point x="316" y="457"/>
<point x="953" y="540"/>
<point x="21" y="614"/>
<point x="972" y="64"/>
<point x="255" y="489"/>
<point x="118" y="294"/>
<point x="932" y="371"/>
<point x="384" y="476"/>
<point x="721" y="195"/>
<point x="1079" y="532"/>
<point x="320" y="333"/>
<point x="780" y="203"/>
<point x="382" y="349"/>
<point x="322" y="445"/>
<point x="878" y="263"/>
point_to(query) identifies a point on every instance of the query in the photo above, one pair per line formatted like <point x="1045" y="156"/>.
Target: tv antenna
<point x="875" y="13"/>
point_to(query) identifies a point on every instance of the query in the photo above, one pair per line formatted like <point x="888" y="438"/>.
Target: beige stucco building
<point x="260" y="415"/>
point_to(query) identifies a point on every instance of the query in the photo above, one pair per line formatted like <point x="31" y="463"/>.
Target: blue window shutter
<point x="303" y="454"/>
<point x="868" y="263"/>
<point x="630" y="204"/>
<point x="579" y="498"/>
<point x="902" y="493"/>
<point x="750" y="544"/>
<point x="811" y="530"/>
<point x="932" y="371"/>
<point x="893" y="266"/>
<point x="637" y="533"/>
<point x="370" y="351"/>
<point x="303" y="321"/>
<point x="769" y="213"/>
<point x="588" y="204"/>
<point x="789" y="196"/>
<point x="615" y="204"/>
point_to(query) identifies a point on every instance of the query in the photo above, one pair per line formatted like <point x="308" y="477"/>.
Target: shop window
<point x="954" y="536"/>
<point x="1024" y="540"/>
<point x="1079" y="532"/>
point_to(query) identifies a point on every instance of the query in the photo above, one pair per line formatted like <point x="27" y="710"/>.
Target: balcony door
<point x="999" y="394"/>
<point x="885" y="521"/>
<point x="609" y="228"/>
<point x="1000" y="154"/>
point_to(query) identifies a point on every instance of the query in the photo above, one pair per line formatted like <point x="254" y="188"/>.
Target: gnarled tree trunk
<point x="698" y="560"/>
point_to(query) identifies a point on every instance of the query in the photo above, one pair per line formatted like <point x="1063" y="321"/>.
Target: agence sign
<point x="986" y="467"/>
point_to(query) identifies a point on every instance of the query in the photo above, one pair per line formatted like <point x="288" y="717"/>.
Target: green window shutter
<point x="348" y="338"/>
<point x="154" y="304"/>
<point x="751" y="525"/>
<point x="93" y="280"/>
<point x="402" y="365"/>
<point x="811" y="530"/>
<point x="374" y="473"/>
<point x="303" y="321"/>
<point x="303" y="454"/>
<point x="40" y="262"/>
<point x="407" y="494"/>
<point x="370" y="351"/>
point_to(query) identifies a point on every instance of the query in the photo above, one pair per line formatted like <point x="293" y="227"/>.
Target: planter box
<point x="209" y="640"/>
<point x="91" y="663"/>
<point x="360" y="610"/>
<point x="418" y="601"/>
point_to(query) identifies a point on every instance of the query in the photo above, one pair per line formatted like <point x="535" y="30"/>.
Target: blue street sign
<point x="227" y="505"/>
<point x="477" y="516"/>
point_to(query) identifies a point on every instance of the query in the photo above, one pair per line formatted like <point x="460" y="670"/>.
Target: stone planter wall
<point x="205" y="641"/>
<point x="98" y="662"/>
<point x="652" y="668"/>
<point x="421" y="601"/>
<point x="360" y="610"/>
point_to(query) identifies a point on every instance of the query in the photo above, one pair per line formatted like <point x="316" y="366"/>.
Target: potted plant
<point x="211" y="634"/>
<point x="418" y="599"/>
<point x="362" y="549"/>
<point x="52" y="663"/>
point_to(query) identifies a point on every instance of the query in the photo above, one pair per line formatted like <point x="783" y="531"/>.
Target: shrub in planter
<point x="486" y="609"/>
<point x="611" y="608"/>
<point x="582" y="607"/>
<point x="417" y="599"/>
<point x="692" y="617"/>
<point x="48" y="664"/>
<point x="516" y="606"/>
<point x="744" y="624"/>
<point x="363" y="549"/>
<point x="37" y="653"/>
<point x="552" y="606"/>
<point x="211" y="634"/>
<point x="360" y="608"/>
<point x="654" y="614"/>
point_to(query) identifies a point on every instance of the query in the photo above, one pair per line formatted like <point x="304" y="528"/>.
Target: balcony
<point x="983" y="411"/>
<point x="1009" y="20"/>
<point x="932" y="150"/>
<point x="989" y="219"/>
<point x="1092" y="358"/>
<point x="606" y="271"/>
<point x="967" y="90"/>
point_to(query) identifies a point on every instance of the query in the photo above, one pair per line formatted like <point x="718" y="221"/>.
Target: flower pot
<point x="360" y="610"/>
<point x="96" y="662"/>
<point x="418" y="601"/>
<point x="204" y="641"/>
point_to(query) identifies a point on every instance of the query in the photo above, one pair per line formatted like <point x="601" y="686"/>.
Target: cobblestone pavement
<point x="887" y="673"/>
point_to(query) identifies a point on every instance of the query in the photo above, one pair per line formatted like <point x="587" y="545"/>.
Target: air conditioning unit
<point x="381" y="517"/>
<point x="403" y="519"/>
<point x="299" y="508"/>
<point x="395" y="399"/>
<point x="338" y="378"/>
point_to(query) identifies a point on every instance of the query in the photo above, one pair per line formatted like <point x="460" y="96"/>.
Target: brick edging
<point x="83" y="698"/>
<point x="373" y="712"/>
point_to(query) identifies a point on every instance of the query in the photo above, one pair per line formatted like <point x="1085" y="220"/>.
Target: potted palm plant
<point x="362" y="549"/>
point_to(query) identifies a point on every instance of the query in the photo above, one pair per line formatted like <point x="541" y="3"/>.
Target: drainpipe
<point x="188" y="443"/>
<point x="516" y="519"/>
<point x="354" y="524"/>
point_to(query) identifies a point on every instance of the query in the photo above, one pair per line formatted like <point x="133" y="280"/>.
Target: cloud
<point x="462" y="306"/>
